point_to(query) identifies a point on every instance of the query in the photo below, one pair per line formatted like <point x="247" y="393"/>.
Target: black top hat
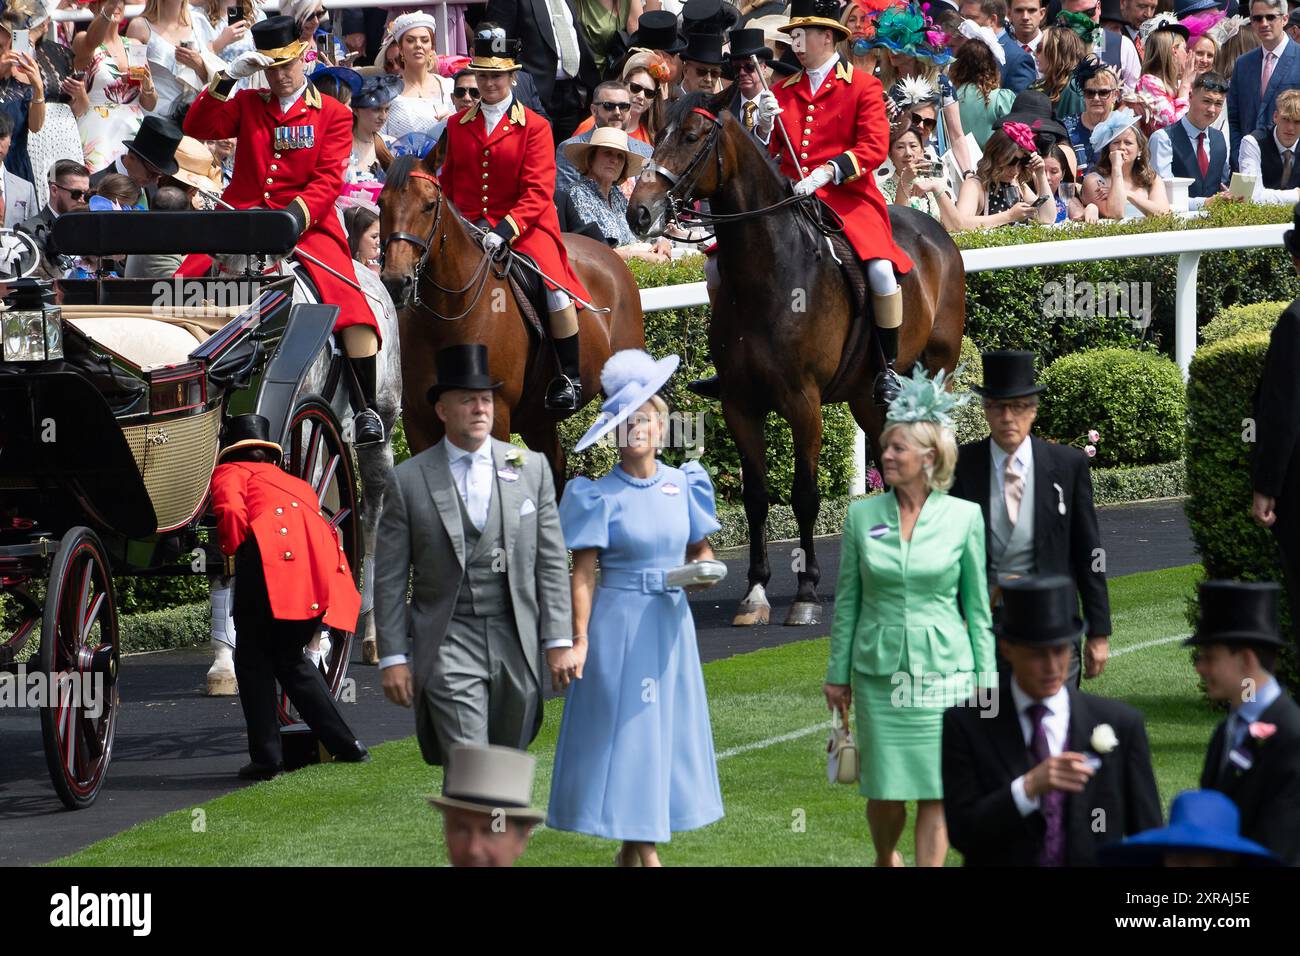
<point x="377" y="91"/>
<point x="496" y="54"/>
<point x="1034" y="109"/>
<point x="1238" y="612"/>
<point x="703" y="48"/>
<point x="657" y="30"/>
<point x="462" y="366"/>
<point x="747" y="43"/>
<point x="1040" y="611"/>
<point x="708" y="16"/>
<point x="277" y="37"/>
<point x="248" y="431"/>
<point x="1008" y="375"/>
<point x="155" y="142"/>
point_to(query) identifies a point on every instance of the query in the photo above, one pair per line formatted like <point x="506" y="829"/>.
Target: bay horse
<point x="449" y="292"/>
<point x="783" y="316"/>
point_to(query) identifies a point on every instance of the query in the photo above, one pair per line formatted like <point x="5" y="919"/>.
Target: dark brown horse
<point x="448" y="293"/>
<point x="782" y="318"/>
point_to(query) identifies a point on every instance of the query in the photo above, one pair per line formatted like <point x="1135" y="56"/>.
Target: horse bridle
<point x="481" y="272"/>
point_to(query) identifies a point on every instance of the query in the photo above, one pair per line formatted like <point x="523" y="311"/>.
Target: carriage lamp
<point x="31" y="330"/>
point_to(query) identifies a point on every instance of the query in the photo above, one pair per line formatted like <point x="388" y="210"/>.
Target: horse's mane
<point x="398" y="173"/>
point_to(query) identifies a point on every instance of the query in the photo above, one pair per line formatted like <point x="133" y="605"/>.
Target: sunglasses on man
<point x="706" y="74"/>
<point x="462" y="91"/>
<point x="611" y="105"/>
<point x="1265" y="17"/>
<point x="744" y="66"/>
<point x="78" y="195"/>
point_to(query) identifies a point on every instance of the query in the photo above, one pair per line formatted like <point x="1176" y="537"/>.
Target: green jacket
<point x="891" y="617"/>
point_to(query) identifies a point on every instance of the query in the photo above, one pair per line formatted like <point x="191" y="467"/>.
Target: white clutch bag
<point x="695" y="573"/>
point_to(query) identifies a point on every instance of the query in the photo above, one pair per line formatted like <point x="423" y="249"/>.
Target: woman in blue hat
<point x="635" y="759"/>
<point x="370" y="148"/>
<point x="1204" y="830"/>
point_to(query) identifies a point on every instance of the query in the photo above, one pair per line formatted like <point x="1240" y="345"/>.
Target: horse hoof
<point x="369" y="651"/>
<point x="221" y="675"/>
<point x="802" y="613"/>
<point x="748" y="618"/>
<point x="222" y="685"/>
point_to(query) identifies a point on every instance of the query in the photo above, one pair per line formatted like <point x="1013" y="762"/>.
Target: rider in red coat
<point x="500" y="171"/>
<point x="835" y="117"/>
<point x="291" y="576"/>
<point x="293" y="149"/>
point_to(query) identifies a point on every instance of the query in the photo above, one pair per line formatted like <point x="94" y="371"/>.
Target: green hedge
<point x="1133" y="399"/>
<point x="182" y="626"/>
<point x="1219" y="405"/>
<point x="1005" y="309"/>
<point x="1235" y="319"/>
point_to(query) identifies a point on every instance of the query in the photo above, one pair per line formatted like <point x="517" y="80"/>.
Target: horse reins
<point x="479" y="277"/>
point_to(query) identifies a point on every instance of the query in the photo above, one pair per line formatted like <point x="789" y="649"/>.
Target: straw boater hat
<point x="495" y="55"/>
<point x="611" y="138"/>
<point x="815" y="13"/>
<point x="197" y="167"/>
<point x="489" y="780"/>
<point x="249" y="431"/>
<point x="277" y="37"/>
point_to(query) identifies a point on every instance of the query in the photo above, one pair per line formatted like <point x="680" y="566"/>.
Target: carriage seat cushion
<point x="141" y="341"/>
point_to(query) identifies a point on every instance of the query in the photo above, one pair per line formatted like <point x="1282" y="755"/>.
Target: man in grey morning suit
<point x="476" y="520"/>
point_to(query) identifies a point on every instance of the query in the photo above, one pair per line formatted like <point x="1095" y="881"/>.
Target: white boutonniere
<point x="515" y="458"/>
<point x="1102" y="742"/>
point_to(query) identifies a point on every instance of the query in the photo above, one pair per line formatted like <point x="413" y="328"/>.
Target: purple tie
<point x="1052" y="802"/>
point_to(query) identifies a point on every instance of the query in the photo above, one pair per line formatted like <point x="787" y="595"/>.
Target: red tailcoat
<point x="305" y="180"/>
<point x="844" y="124"/>
<point x="302" y="555"/>
<point x="508" y="179"/>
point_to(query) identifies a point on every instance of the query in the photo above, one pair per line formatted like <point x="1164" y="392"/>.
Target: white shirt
<point x="1162" y="156"/>
<point x="1057" y="726"/>
<point x="1024" y="462"/>
<point x="288" y="101"/>
<point x="818" y="76"/>
<point x="1248" y="161"/>
<point x="493" y="114"/>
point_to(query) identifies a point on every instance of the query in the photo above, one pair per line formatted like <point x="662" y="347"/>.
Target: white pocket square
<point x="527" y="507"/>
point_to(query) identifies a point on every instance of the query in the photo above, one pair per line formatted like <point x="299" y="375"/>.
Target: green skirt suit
<point x="903" y="640"/>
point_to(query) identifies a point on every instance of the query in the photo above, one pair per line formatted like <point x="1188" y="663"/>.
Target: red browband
<point x="706" y="113"/>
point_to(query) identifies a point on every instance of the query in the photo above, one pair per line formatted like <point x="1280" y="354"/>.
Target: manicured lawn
<point x="780" y="810"/>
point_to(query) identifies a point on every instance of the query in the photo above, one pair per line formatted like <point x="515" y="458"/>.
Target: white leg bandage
<point x="557" y="299"/>
<point x="712" y="280"/>
<point x="223" y="623"/>
<point x="880" y="275"/>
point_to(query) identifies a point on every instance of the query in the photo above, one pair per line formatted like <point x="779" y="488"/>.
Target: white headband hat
<point x="409" y="21"/>
<point x="973" y="31"/>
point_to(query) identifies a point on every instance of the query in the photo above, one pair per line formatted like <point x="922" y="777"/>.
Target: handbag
<point x="842" y="751"/>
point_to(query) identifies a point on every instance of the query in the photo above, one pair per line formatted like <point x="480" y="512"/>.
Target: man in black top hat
<point x="1050" y="775"/>
<point x="701" y="65"/>
<point x="1275" y="456"/>
<point x="1037" y="501"/>
<point x="554" y="54"/>
<point x="747" y="52"/>
<point x="475" y="520"/>
<point x="148" y="157"/>
<point x="1254" y="755"/>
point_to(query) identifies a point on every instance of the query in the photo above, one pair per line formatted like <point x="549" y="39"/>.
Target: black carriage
<point x="113" y="395"/>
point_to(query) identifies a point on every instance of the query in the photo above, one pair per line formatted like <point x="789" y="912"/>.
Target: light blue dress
<point x="635" y="756"/>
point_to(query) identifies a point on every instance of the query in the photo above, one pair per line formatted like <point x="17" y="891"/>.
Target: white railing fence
<point x="1188" y="244"/>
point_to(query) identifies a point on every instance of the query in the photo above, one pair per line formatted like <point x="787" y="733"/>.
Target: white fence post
<point x="858" y="485"/>
<point x="1189" y="264"/>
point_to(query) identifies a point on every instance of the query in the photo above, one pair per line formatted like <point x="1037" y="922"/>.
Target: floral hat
<point x="924" y="399"/>
<point x="1162" y="21"/>
<point x="1109" y="128"/>
<point x="909" y="31"/>
<point x="1021" y="135"/>
<point x="1088" y="30"/>
<point x="630" y="378"/>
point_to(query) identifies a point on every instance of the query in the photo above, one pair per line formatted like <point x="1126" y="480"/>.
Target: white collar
<point x="455" y="453"/>
<point x="495" y="109"/>
<point x="1058" y="703"/>
<point x="826" y="67"/>
<point x="1023" y="454"/>
<point x="1294" y="147"/>
<point x="287" y="101"/>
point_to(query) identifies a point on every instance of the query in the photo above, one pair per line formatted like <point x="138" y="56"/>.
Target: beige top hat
<point x="197" y="167"/>
<point x="611" y="138"/>
<point x="489" y="779"/>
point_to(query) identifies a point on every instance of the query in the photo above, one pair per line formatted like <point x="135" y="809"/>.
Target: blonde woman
<point x="1008" y="183"/>
<point x="1167" y="73"/>
<point x="1123" y="182"/>
<point x="117" y="100"/>
<point x="175" y="52"/>
<point x="425" y="99"/>
<point x="912" y="632"/>
<point x="857" y="47"/>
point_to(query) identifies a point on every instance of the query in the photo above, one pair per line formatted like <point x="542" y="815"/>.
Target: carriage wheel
<point x="314" y="450"/>
<point x="79" y="654"/>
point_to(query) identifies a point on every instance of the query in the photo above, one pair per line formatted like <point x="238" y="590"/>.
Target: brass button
<point x="804" y="168"/>
<point x="803" y="155"/>
<point x="279" y="511"/>
<point x="485" y="152"/>
<point x="293" y="504"/>
<point x="807" y="132"/>
<point x="266" y="195"/>
<point x="485" y="187"/>
<point x="315" y="606"/>
<point x="268" y="181"/>
<point x="288" y="555"/>
<point x="804" y="143"/>
<point x="485" y="175"/>
<point x="284" y="531"/>
<point x="273" y="167"/>
<point x="485" y="165"/>
<point x="277" y="155"/>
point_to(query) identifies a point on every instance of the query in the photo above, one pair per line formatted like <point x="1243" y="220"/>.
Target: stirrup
<point x="887" y="385"/>
<point x="563" y="395"/>
<point x="367" y="428"/>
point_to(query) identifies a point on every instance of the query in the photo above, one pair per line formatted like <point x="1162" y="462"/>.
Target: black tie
<point x="1288" y="160"/>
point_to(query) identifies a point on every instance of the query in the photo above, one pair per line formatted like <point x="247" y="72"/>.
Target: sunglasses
<point x="643" y="90"/>
<point x="1214" y="86"/>
<point x="471" y="91"/>
<point x="78" y="195"/>
<point x="707" y="74"/>
<point x="746" y="67"/>
<point x="924" y="122"/>
<point x="1264" y="17"/>
<point x="1094" y="94"/>
<point x="611" y="105"/>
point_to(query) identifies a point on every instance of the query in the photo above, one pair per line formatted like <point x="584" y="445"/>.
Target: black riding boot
<point x="367" y="426"/>
<point x="564" y="394"/>
<point x="886" y="385"/>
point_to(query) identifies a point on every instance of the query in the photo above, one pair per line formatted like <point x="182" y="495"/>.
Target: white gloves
<point x="492" y="242"/>
<point x="246" y="64"/>
<point x="767" y="111"/>
<point x="814" y="181"/>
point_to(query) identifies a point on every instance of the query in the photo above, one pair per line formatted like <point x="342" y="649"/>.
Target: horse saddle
<point x="529" y="291"/>
<point x="855" y="277"/>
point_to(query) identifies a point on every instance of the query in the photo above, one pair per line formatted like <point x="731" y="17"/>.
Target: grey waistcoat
<point x="484" y="591"/>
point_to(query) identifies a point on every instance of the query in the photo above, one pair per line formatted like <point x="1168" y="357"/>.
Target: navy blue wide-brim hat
<point x="345" y="75"/>
<point x="1200" y="821"/>
<point x="377" y="91"/>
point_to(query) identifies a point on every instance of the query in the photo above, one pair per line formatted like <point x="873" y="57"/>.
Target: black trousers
<point x="269" y="650"/>
<point x="1288" y="545"/>
<point x="567" y="108"/>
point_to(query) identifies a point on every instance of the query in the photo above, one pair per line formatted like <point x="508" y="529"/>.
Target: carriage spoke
<point x="67" y="723"/>
<point x="327" y="478"/>
<point x="91" y="618"/>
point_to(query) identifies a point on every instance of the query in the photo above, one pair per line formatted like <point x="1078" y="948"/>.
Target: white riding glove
<point x="814" y="181"/>
<point x="247" y="64"/>
<point x="492" y="242"/>
<point x="767" y="112"/>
